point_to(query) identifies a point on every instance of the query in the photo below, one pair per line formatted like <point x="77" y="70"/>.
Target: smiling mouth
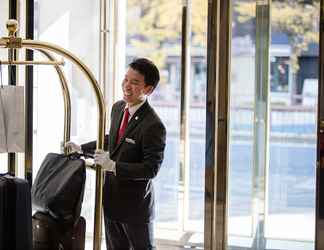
<point x="127" y="94"/>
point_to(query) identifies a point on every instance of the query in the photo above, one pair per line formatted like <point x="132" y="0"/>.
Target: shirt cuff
<point x="113" y="167"/>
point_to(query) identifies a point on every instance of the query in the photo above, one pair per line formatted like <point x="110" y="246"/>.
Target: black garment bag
<point x="59" y="186"/>
<point x="15" y="214"/>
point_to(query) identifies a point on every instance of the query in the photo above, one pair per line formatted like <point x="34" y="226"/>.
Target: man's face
<point x="134" y="87"/>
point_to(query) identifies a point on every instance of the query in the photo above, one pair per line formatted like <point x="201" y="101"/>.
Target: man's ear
<point x="148" y="89"/>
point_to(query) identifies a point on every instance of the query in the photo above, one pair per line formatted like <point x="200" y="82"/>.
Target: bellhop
<point x="132" y="124"/>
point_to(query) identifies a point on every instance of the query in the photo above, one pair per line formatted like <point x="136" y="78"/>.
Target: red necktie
<point x="123" y="125"/>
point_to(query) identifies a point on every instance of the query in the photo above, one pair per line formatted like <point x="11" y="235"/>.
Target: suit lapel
<point x="115" y="125"/>
<point x="132" y="124"/>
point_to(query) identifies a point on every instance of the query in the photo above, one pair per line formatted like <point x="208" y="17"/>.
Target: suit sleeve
<point x="153" y="145"/>
<point x="90" y="147"/>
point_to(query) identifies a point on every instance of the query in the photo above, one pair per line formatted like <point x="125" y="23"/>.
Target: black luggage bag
<point x="49" y="234"/>
<point x="15" y="214"/>
<point x="59" y="186"/>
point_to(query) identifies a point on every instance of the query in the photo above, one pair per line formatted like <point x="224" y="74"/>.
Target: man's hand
<point x="74" y="148"/>
<point x="102" y="158"/>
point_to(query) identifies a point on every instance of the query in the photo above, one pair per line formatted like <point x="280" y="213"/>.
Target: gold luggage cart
<point x="12" y="43"/>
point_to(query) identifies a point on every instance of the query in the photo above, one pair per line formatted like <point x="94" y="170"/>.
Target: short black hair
<point x="148" y="69"/>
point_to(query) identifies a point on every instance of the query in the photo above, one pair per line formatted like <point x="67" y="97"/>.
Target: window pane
<point x="59" y="22"/>
<point x="241" y="120"/>
<point x="294" y="83"/>
<point x="153" y="31"/>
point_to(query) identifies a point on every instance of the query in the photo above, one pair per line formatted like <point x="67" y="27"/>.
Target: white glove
<point x="73" y="147"/>
<point x="102" y="158"/>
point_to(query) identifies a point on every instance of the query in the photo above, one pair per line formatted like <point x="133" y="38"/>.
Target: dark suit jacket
<point x="129" y="196"/>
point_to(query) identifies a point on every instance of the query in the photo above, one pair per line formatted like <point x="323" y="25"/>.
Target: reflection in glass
<point x="279" y="74"/>
<point x="154" y="31"/>
<point x="294" y="80"/>
<point x="241" y="120"/>
<point x="197" y="118"/>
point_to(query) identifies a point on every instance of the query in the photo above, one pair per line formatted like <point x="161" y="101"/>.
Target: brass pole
<point x="185" y="106"/>
<point x="217" y="126"/>
<point x="29" y="93"/>
<point x="103" y="45"/>
<point x="13" y="62"/>
<point x="13" y="54"/>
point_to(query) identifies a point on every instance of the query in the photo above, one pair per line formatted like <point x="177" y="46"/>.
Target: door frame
<point x="218" y="77"/>
<point x="319" y="230"/>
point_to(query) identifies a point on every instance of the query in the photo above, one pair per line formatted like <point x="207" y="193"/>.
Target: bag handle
<point x="78" y="155"/>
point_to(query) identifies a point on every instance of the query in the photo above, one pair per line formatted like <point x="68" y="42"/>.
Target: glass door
<point x="173" y="35"/>
<point x="273" y="124"/>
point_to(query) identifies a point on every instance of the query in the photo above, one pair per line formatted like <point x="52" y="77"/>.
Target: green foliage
<point x="154" y="27"/>
<point x="298" y="19"/>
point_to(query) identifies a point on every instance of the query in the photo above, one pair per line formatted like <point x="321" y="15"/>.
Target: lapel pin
<point x="136" y="118"/>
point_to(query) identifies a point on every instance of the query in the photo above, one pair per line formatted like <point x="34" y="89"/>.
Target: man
<point x="135" y="146"/>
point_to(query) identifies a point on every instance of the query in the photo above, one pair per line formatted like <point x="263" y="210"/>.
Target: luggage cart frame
<point x="12" y="43"/>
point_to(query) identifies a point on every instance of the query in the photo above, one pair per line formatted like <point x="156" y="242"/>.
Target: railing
<point x="287" y="121"/>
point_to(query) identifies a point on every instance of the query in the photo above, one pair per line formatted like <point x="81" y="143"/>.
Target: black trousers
<point x="126" y="236"/>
